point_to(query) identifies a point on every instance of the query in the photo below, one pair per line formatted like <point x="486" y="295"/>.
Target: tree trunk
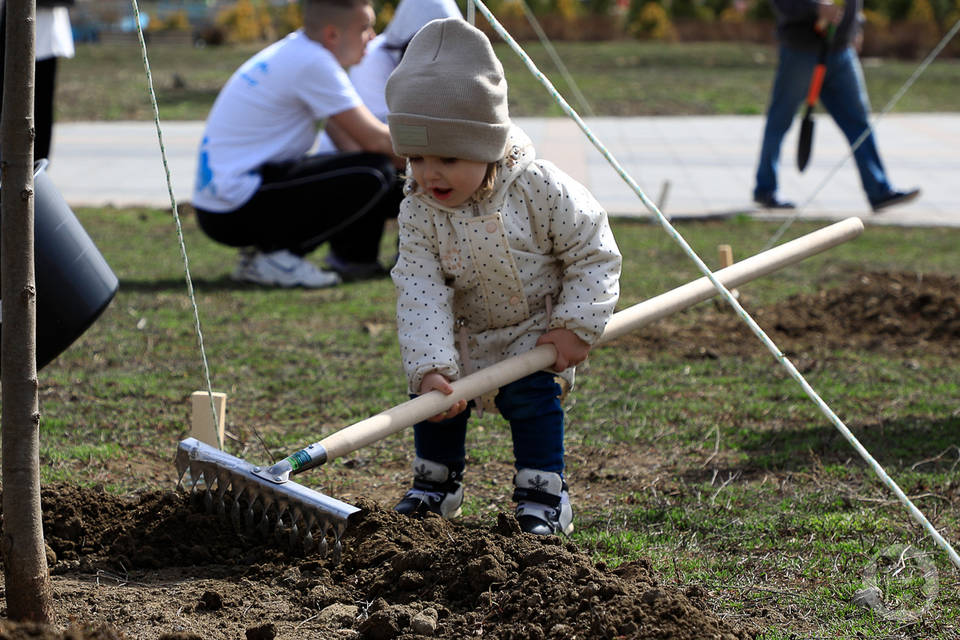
<point x="27" y="588"/>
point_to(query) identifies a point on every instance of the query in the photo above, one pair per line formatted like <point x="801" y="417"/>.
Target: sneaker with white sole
<point x="543" y="504"/>
<point x="436" y="489"/>
<point x="283" y="269"/>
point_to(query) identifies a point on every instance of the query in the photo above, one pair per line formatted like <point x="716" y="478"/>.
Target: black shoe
<point x="436" y="489"/>
<point x="356" y="271"/>
<point x="769" y="201"/>
<point x="543" y="503"/>
<point x="894" y="198"/>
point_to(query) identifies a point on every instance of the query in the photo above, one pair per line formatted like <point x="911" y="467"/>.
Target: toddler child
<point x="499" y="252"/>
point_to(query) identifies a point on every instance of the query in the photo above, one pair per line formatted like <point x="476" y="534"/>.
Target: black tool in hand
<point x="816" y="82"/>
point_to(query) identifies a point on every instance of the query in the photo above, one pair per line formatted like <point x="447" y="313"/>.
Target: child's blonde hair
<point x="485" y="190"/>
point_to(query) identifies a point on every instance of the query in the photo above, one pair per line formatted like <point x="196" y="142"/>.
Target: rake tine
<point x="289" y="510"/>
<point x="248" y="515"/>
<point x="323" y="547"/>
<point x="235" y="510"/>
<point x="223" y="484"/>
<point x="308" y="537"/>
<point x="263" y="527"/>
<point x="220" y="505"/>
<point x="278" y="529"/>
<point x="294" y="535"/>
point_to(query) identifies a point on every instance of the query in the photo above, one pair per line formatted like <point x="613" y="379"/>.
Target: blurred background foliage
<point x="896" y="28"/>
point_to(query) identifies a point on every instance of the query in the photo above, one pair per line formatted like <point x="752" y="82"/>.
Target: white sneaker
<point x="284" y="269"/>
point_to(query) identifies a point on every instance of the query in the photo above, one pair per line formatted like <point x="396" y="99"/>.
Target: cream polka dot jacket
<point x="475" y="284"/>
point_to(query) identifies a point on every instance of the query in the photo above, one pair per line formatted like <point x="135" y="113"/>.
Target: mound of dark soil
<point x="153" y="566"/>
<point x="887" y="312"/>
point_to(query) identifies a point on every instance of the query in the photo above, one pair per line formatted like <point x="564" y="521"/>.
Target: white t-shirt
<point x="267" y="112"/>
<point x="369" y="78"/>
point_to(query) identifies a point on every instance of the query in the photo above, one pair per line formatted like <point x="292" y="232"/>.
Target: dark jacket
<point x="796" y="20"/>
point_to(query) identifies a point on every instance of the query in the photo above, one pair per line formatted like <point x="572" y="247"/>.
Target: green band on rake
<point x="299" y="459"/>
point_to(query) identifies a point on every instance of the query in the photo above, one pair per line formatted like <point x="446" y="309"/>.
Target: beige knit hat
<point x="448" y="96"/>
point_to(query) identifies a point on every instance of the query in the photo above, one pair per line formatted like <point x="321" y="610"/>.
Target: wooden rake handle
<point x="404" y="415"/>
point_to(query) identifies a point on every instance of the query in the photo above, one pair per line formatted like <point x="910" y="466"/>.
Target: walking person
<point x="258" y="189"/>
<point x="499" y="252"/>
<point x="801" y="27"/>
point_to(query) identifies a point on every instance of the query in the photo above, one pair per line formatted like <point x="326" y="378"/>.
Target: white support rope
<point x="176" y="215"/>
<point x="863" y="136"/>
<point x="740" y="311"/>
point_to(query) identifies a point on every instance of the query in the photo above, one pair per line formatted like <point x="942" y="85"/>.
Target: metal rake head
<point x="256" y="504"/>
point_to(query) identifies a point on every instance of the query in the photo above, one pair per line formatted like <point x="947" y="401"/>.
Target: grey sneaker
<point x="283" y="269"/>
<point x="436" y="489"/>
<point x="543" y="504"/>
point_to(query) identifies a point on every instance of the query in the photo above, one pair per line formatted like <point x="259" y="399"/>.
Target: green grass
<point x="735" y="480"/>
<point x="620" y="78"/>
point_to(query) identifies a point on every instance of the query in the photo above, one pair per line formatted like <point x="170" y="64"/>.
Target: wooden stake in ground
<point x="203" y="426"/>
<point x="27" y="591"/>
<point x="725" y="252"/>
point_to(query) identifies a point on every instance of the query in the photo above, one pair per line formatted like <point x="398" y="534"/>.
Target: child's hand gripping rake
<point x="268" y="496"/>
<point x="805" y="144"/>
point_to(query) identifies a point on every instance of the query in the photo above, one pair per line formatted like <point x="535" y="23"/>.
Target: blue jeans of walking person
<point x="843" y="95"/>
<point x="531" y="405"/>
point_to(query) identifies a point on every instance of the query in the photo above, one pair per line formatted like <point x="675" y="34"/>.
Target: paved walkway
<point x="690" y="166"/>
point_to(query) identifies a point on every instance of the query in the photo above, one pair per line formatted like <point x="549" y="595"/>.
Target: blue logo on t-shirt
<point x="260" y="67"/>
<point x="204" y="172"/>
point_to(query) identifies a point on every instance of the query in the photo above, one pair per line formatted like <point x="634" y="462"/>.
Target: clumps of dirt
<point x="879" y="311"/>
<point x="33" y="631"/>
<point x="398" y="578"/>
<point x="515" y="586"/>
<point x="90" y="530"/>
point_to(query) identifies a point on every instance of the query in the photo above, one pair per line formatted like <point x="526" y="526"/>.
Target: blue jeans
<point x="844" y="96"/>
<point x="531" y="405"/>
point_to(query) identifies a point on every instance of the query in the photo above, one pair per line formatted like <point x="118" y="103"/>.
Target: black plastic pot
<point x="74" y="283"/>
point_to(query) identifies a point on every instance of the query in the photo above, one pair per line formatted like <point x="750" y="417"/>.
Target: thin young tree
<point x="28" y="591"/>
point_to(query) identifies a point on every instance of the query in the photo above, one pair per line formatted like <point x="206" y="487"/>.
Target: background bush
<point x="899" y="28"/>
